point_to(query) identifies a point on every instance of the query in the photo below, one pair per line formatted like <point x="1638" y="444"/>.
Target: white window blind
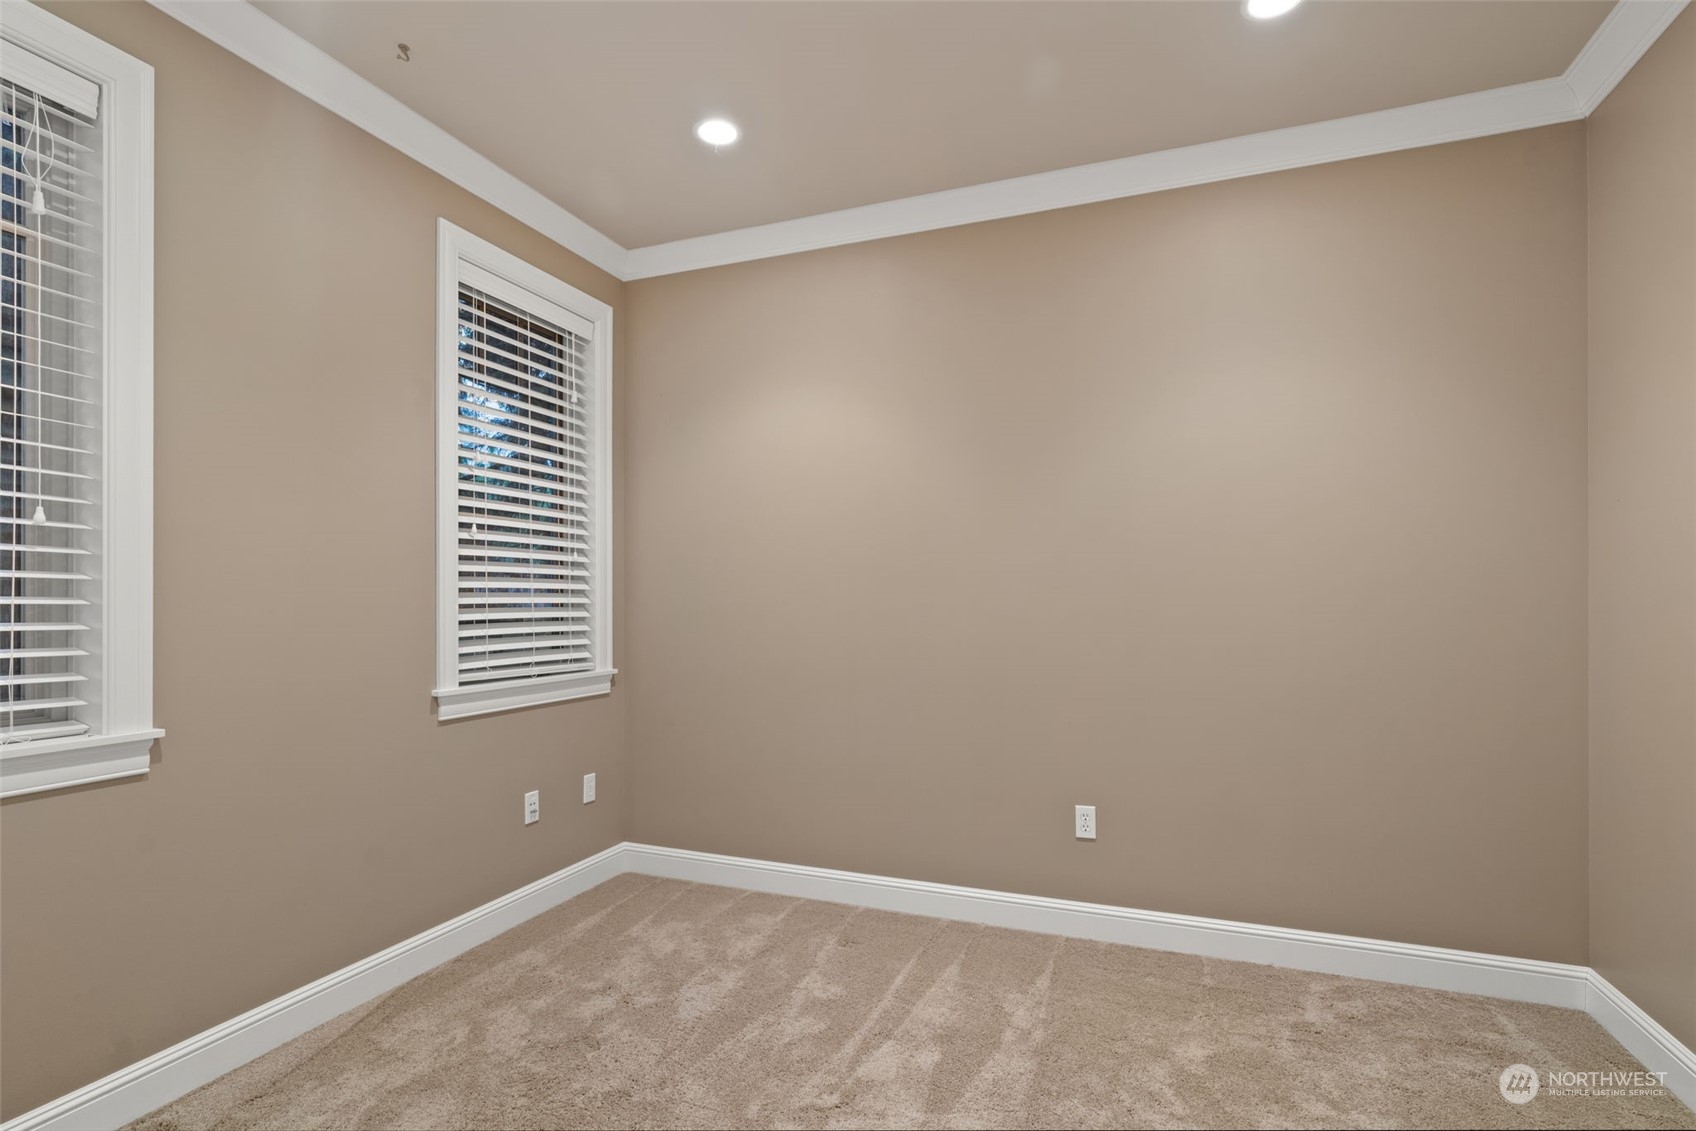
<point x="524" y="614"/>
<point x="51" y="389"/>
<point x="525" y="527"/>
<point x="76" y="407"/>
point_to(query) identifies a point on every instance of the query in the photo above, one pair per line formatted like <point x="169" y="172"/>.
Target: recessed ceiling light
<point x="1268" y="9"/>
<point x="718" y="131"/>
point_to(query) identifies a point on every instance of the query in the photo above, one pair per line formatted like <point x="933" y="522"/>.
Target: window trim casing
<point x="120" y="746"/>
<point x="455" y="245"/>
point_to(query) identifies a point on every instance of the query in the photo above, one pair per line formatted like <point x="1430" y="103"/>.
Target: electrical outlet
<point x="532" y="806"/>
<point x="1083" y="821"/>
<point x="588" y="788"/>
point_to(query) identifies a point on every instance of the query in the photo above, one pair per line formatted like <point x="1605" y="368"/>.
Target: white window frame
<point x="454" y="246"/>
<point x="120" y="739"/>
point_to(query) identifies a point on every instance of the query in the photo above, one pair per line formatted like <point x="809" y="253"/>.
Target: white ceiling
<point x="844" y="103"/>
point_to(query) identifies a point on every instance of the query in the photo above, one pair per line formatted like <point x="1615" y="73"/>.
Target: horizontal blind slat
<point x="515" y="430"/>
<point x="479" y="618"/>
<point x="556" y="385"/>
<point x="528" y="553"/>
<point x="36" y="731"/>
<point x="565" y="509"/>
<point x="41" y="677"/>
<point x="493" y="670"/>
<point x="517" y="570"/>
<point x="17" y="706"/>
<point x="477" y="465"/>
<point x="489" y="480"/>
<point x="526" y="649"/>
<point x="469" y="606"/>
<point x="471" y="592"/>
<point x="6" y="520"/>
<point x="533" y="628"/>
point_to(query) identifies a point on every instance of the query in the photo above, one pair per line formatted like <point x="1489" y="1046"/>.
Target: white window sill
<point x="489" y="698"/>
<point x="62" y="762"/>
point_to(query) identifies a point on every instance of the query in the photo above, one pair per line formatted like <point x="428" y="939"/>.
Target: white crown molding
<point x="1629" y="30"/>
<point x="1624" y="35"/>
<point x="244" y="30"/>
<point x="133" y="1092"/>
<point x="1407" y="127"/>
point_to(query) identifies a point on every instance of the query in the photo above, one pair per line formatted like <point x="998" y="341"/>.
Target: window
<point x="76" y="418"/>
<point x="524" y="492"/>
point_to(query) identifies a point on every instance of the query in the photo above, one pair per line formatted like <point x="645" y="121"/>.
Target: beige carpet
<point x="663" y="1004"/>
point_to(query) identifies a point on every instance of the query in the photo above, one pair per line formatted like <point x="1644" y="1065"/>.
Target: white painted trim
<point x="1627" y="32"/>
<point x="495" y="268"/>
<point x="492" y="698"/>
<point x="48" y="78"/>
<point x="37" y="767"/>
<point x="1618" y="43"/>
<point x="1643" y="1037"/>
<point x="1621" y="39"/>
<point x="121" y="707"/>
<point x="151" y="1083"/>
<point x="244" y="30"/>
<point x="1430" y="123"/>
<point x="1408" y="964"/>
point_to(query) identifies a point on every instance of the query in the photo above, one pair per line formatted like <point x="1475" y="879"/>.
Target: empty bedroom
<point x="847" y="564"/>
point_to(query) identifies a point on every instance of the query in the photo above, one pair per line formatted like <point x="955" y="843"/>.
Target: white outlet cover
<point x="588" y="788"/>
<point x="1083" y="822"/>
<point x="532" y="806"/>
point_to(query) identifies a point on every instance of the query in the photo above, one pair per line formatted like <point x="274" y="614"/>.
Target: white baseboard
<point x="1517" y="979"/>
<point x="1408" y="964"/>
<point x="151" y="1083"/>
<point x="1643" y="1037"/>
<point x="165" y="1076"/>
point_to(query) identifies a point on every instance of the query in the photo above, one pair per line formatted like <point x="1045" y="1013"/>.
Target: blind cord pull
<point x="38" y="205"/>
<point x="38" y="200"/>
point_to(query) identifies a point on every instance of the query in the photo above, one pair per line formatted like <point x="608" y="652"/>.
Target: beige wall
<point x="304" y="810"/>
<point x="1252" y="514"/>
<point x="1643" y="532"/>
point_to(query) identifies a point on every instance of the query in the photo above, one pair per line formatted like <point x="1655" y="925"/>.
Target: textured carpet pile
<point x="654" y="1003"/>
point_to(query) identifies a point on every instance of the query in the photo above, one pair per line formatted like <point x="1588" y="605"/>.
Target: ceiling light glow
<point x="1268" y="9"/>
<point x="718" y="131"/>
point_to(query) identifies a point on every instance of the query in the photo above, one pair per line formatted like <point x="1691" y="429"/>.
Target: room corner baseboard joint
<point x="155" y="1081"/>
